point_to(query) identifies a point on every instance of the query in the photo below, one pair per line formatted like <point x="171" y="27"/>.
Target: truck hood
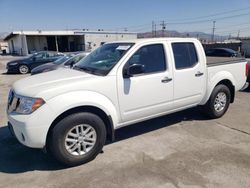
<point x="48" y="84"/>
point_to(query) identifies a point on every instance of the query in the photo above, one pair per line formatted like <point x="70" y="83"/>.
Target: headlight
<point x="27" y="105"/>
<point x="14" y="63"/>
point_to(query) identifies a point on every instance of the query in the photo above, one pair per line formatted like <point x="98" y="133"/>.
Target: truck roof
<point x="155" y="40"/>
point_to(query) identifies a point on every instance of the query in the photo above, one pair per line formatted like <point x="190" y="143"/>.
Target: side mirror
<point x="72" y="64"/>
<point x="69" y="64"/>
<point x="134" y="69"/>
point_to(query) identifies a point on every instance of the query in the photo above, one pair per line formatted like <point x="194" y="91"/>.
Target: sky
<point x="231" y="16"/>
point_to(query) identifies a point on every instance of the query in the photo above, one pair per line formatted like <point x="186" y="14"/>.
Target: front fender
<point x="213" y="80"/>
<point x="67" y="101"/>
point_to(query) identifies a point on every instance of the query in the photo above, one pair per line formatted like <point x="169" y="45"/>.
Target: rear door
<point x="189" y="74"/>
<point x="52" y="56"/>
<point x="39" y="59"/>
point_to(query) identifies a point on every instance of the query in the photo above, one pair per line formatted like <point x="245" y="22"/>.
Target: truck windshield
<point x="103" y="59"/>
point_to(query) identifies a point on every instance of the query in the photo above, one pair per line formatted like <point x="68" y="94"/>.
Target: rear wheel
<point x="218" y="102"/>
<point x="78" y="138"/>
<point x="23" y="69"/>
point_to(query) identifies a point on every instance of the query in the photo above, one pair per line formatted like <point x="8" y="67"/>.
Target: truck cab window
<point x="151" y="56"/>
<point x="185" y="55"/>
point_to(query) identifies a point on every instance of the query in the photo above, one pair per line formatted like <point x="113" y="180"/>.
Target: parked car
<point x="25" y="65"/>
<point x="71" y="112"/>
<point x="222" y="52"/>
<point x="51" y="65"/>
<point x="66" y="61"/>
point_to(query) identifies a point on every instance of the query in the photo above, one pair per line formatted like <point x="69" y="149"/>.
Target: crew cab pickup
<point x="72" y="112"/>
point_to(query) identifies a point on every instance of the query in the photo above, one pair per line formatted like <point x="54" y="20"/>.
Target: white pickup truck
<point x="72" y="112"/>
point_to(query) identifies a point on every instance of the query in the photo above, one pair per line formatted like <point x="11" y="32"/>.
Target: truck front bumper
<point x="31" y="130"/>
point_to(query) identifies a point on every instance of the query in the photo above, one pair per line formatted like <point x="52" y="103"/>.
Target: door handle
<point x="166" y="79"/>
<point x="199" y="74"/>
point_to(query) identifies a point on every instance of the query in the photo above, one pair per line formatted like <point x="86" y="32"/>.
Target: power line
<point x="208" y="20"/>
<point x="229" y="26"/>
<point x="192" y="22"/>
<point x="147" y="25"/>
<point x="212" y="15"/>
<point x="234" y="31"/>
<point x="222" y="29"/>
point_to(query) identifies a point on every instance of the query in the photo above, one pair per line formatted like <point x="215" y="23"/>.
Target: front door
<point x="149" y="93"/>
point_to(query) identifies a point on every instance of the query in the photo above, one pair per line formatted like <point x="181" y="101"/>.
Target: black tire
<point x="23" y="69"/>
<point x="209" y="107"/>
<point x="58" y="135"/>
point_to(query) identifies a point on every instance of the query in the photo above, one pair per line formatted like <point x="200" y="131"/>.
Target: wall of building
<point x="18" y="45"/>
<point x="36" y="43"/>
<point x="25" y="43"/>
<point x="93" y="41"/>
<point x="4" y="48"/>
<point x="76" y="42"/>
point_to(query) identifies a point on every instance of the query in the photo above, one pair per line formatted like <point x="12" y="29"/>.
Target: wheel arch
<point x="108" y="121"/>
<point x="230" y="86"/>
<point x="221" y="77"/>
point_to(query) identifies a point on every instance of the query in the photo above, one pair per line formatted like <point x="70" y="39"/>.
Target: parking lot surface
<point x="184" y="149"/>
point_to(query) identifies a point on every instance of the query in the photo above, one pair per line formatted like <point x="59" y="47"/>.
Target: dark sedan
<point x="25" y="65"/>
<point x="67" y="61"/>
<point x="222" y="52"/>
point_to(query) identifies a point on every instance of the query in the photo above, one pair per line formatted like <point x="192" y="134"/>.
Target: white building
<point x="4" y="48"/>
<point x="26" y="42"/>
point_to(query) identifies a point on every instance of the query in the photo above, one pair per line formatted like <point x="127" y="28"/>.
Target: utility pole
<point x="238" y="35"/>
<point x="57" y="49"/>
<point x="213" y="31"/>
<point x="153" y="28"/>
<point x="163" y="27"/>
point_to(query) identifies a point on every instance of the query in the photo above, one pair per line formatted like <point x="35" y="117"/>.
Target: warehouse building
<point x="245" y="46"/>
<point x="27" y="42"/>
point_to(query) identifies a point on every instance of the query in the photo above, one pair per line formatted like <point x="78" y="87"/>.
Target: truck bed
<point x="234" y="68"/>
<point x="214" y="61"/>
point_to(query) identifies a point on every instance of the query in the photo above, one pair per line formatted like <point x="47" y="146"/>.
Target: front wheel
<point x="23" y="69"/>
<point x="218" y="102"/>
<point x="77" y="139"/>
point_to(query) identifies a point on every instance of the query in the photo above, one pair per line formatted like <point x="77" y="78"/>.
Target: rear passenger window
<point x="151" y="56"/>
<point x="185" y="55"/>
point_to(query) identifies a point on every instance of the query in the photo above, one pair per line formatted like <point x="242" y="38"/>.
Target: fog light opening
<point x="23" y="138"/>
